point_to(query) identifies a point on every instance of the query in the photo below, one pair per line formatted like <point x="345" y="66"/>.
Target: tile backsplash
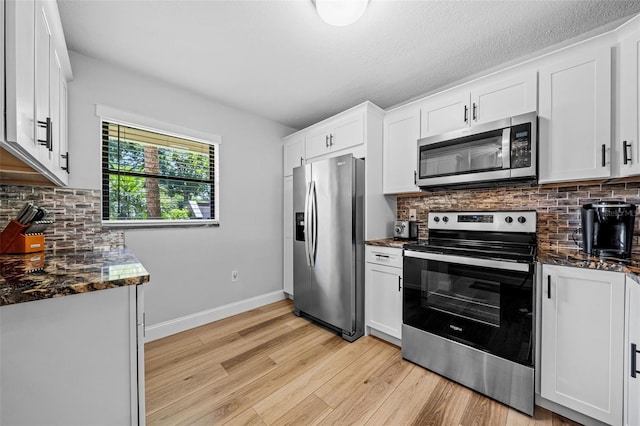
<point x="76" y="214"/>
<point x="558" y="207"/>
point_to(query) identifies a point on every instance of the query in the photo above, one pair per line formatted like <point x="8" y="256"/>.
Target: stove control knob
<point x="445" y="219"/>
<point x="436" y="219"/>
<point x="522" y="219"/>
<point x="508" y="219"/>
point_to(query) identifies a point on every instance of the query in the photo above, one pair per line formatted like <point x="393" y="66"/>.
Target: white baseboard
<point x="167" y="328"/>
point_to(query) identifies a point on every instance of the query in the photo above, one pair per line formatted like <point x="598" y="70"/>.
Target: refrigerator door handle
<point x="314" y="223"/>
<point x="307" y="220"/>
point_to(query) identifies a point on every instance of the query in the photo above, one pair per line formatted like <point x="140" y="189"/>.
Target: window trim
<point x="116" y="116"/>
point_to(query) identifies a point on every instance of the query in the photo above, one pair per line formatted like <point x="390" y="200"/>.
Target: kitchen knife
<point x="30" y="215"/>
<point x="39" y="214"/>
<point x="24" y="213"/>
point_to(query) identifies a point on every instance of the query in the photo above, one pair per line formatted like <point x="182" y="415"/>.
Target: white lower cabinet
<point x="73" y="360"/>
<point x="582" y="336"/>
<point x="632" y="355"/>
<point x="383" y="290"/>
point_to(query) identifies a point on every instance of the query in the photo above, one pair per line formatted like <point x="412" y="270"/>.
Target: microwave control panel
<point x="521" y="146"/>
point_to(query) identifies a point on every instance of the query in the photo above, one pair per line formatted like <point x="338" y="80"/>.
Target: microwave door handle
<point x="506" y="148"/>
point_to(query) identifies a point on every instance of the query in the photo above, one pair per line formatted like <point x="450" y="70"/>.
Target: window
<point x="156" y="178"/>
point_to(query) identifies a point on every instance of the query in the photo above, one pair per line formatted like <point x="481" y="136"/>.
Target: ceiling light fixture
<point x="341" y="12"/>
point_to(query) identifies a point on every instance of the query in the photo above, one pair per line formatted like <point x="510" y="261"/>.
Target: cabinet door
<point x="582" y="324"/>
<point x="508" y="96"/>
<point x="631" y="356"/>
<point x="575" y="116"/>
<point x="629" y="110"/>
<point x="347" y="132"/>
<point x="400" y="142"/>
<point x="317" y="143"/>
<point x="63" y="134"/>
<point x="444" y="113"/>
<point x="20" y="74"/>
<point x="42" y="82"/>
<point x="287" y="272"/>
<point x="55" y="71"/>
<point x="293" y="155"/>
<point x="384" y="296"/>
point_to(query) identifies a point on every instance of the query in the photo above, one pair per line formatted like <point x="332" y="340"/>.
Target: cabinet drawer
<point x="389" y="256"/>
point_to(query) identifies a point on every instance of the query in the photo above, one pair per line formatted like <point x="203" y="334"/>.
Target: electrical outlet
<point x="412" y="214"/>
<point x="234" y="275"/>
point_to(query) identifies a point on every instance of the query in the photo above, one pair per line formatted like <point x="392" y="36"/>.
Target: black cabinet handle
<point x="326" y="141"/>
<point x="47" y="126"/>
<point x="634" y="355"/>
<point x="475" y="109"/>
<point x="604" y="150"/>
<point x="625" y="155"/>
<point x="330" y="139"/>
<point x="66" y="157"/>
<point x="415" y="177"/>
<point x="385" y="256"/>
<point x="399" y="280"/>
<point x="466" y="111"/>
<point x="301" y="161"/>
<point x="50" y="135"/>
<point x="548" y="286"/>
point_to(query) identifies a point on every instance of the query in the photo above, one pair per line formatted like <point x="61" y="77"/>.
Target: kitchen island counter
<point x="49" y="274"/>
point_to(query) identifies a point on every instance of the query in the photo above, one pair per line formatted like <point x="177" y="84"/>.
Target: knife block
<point x="12" y="240"/>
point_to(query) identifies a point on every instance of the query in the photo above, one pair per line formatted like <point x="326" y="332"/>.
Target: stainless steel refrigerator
<point x="328" y="245"/>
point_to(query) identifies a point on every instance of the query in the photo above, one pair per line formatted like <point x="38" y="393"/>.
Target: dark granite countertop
<point x="45" y="275"/>
<point x="388" y="242"/>
<point x="576" y="258"/>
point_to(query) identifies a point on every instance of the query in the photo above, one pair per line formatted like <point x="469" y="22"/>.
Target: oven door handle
<point x="473" y="261"/>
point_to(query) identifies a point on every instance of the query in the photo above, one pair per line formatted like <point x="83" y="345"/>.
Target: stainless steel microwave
<point x="481" y="155"/>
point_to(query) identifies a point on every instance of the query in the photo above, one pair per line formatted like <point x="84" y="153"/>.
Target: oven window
<point x="466" y="155"/>
<point x="473" y="297"/>
<point x="489" y="309"/>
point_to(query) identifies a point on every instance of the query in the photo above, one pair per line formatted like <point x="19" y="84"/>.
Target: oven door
<point x="482" y="303"/>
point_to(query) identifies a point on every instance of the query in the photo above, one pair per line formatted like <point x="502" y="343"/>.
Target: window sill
<point x="130" y="224"/>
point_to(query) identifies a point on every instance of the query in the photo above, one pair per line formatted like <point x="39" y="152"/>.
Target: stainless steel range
<point x="468" y="302"/>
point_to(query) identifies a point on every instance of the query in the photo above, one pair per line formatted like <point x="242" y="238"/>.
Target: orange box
<point x="12" y="240"/>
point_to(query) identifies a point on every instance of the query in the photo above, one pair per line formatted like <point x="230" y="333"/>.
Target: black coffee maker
<point x="607" y="228"/>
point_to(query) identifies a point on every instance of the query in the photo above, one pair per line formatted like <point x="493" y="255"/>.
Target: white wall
<point x="190" y="268"/>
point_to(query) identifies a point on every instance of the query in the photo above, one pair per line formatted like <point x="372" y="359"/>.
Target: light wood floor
<point x="267" y="366"/>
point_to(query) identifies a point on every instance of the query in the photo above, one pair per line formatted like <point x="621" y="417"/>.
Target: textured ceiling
<point x="277" y="59"/>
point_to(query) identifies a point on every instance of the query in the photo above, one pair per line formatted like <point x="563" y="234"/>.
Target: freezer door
<point x="301" y="264"/>
<point x="333" y="246"/>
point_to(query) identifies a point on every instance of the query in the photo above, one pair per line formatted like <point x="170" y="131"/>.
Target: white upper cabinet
<point x="20" y="74"/>
<point x="444" y="112"/>
<point x="627" y="145"/>
<point x="293" y="155"/>
<point x="504" y="95"/>
<point x="345" y="132"/>
<point x="400" y="142"/>
<point x="37" y="69"/>
<point x="509" y="95"/>
<point x="575" y="115"/>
